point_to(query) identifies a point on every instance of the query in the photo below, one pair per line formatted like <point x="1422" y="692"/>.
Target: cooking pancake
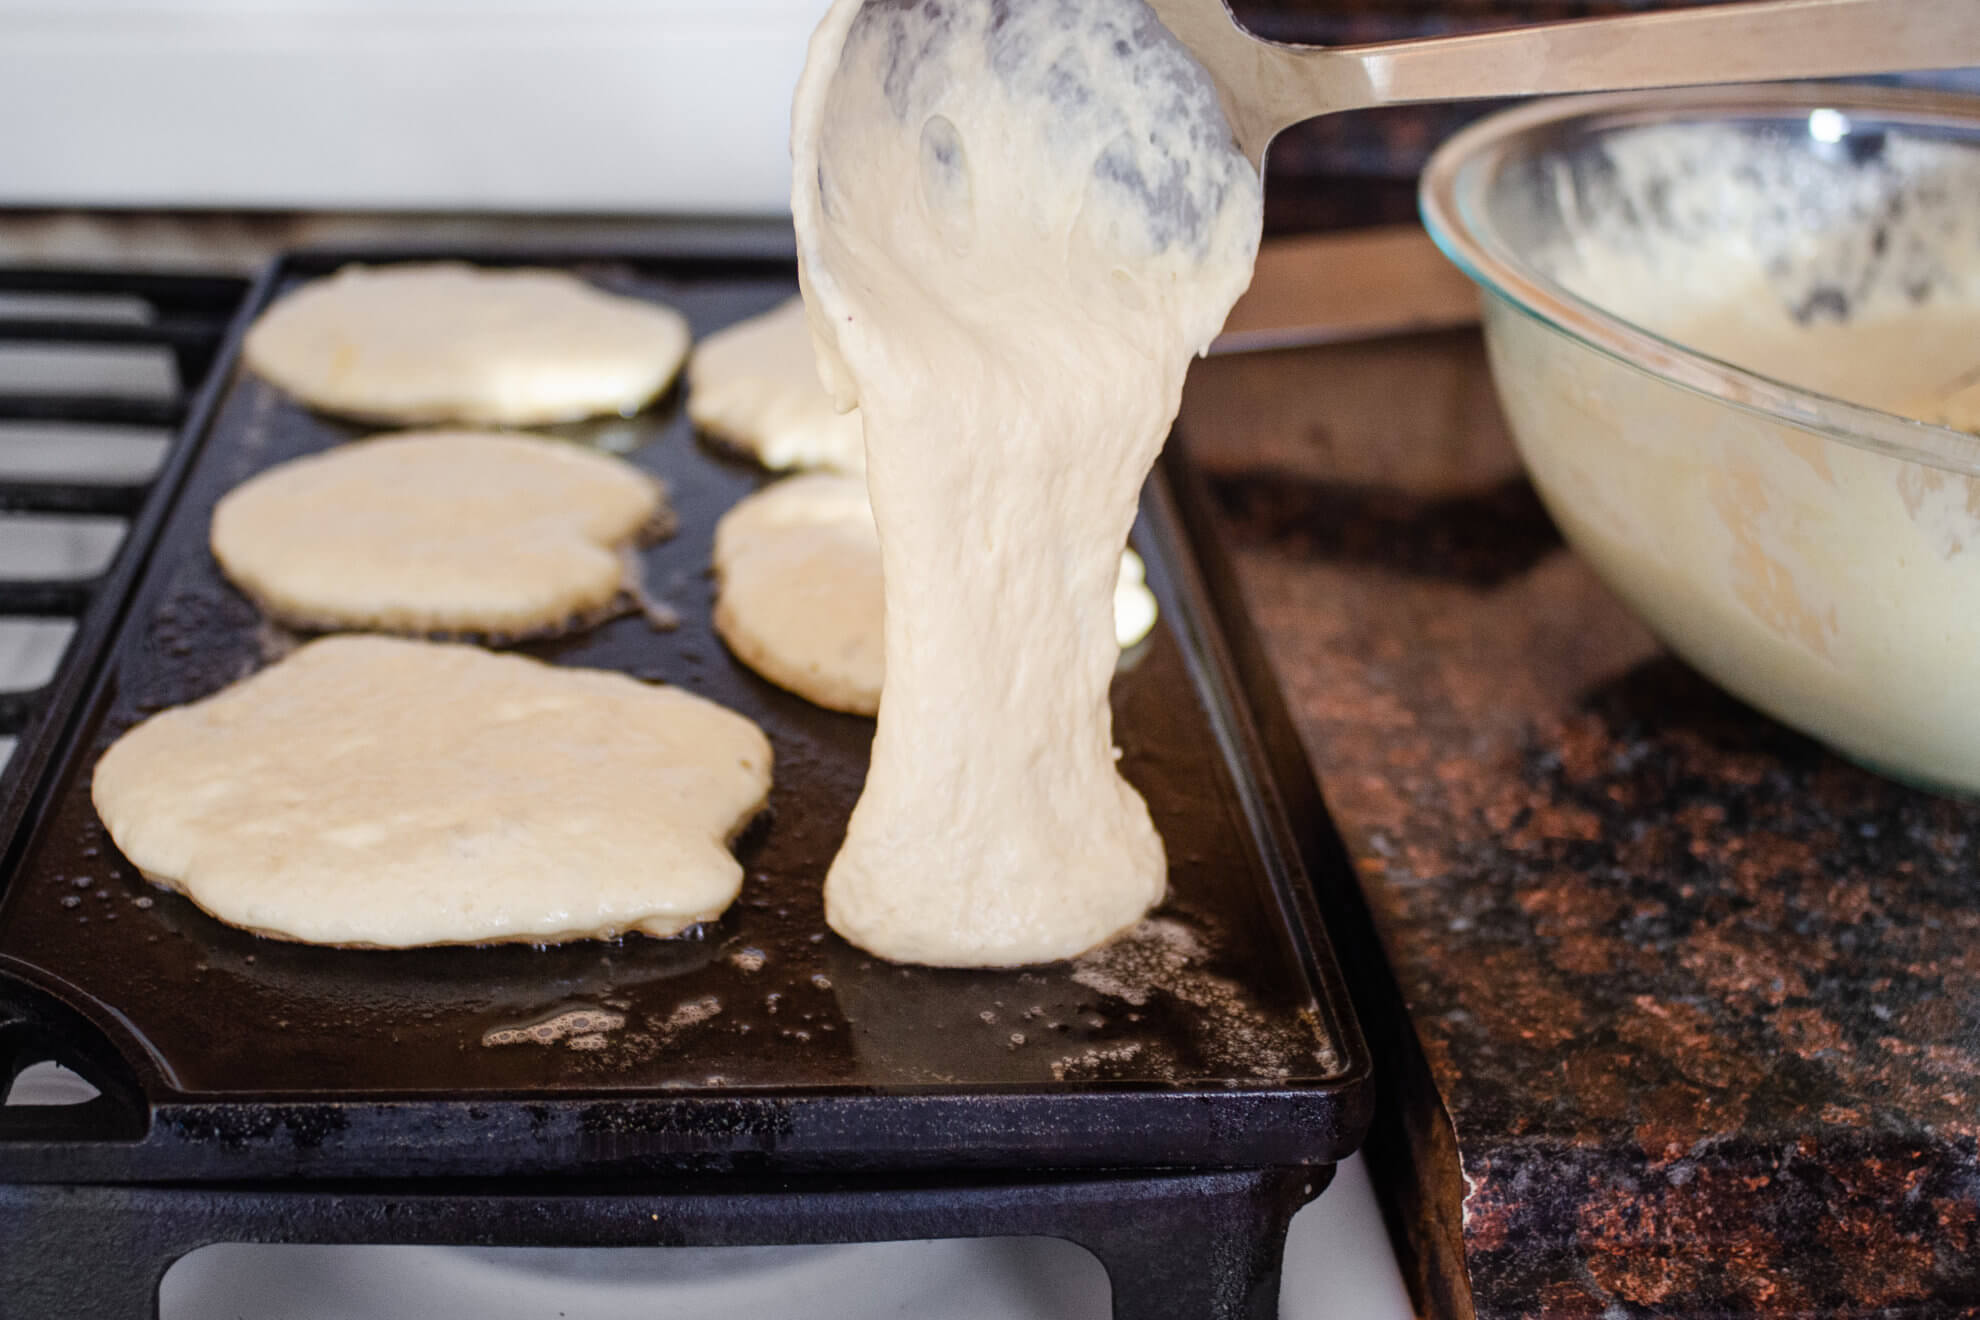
<point x="419" y="344"/>
<point x="800" y="598"/>
<point x="380" y="792"/>
<point x="439" y="532"/>
<point x="755" y="387"/>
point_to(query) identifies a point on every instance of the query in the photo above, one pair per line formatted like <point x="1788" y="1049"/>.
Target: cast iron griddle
<point x="1216" y="1034"/>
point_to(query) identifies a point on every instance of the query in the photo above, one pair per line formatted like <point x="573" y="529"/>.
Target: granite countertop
<point x="1685" y="1013"/>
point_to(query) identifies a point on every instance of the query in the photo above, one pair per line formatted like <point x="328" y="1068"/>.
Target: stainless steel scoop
<point x="1266" y="86"/>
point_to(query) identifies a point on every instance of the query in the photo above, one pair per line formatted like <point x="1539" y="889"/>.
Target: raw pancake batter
<point x="438" y="532"/>
<point x="370" y="791"/>
<point x="755" y="386"/>
<point x="448" y="342"/>
<point x="1832" y="584"/>
<point x="1016" y="224"/>
<point x="1957" y="406"/>
<point x="800" y="599"/>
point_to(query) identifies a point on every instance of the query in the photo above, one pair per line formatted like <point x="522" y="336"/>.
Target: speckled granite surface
<point x="1698" y="1003"/>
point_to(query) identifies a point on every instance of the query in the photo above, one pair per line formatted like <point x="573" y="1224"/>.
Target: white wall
<point x="583" y="105"/>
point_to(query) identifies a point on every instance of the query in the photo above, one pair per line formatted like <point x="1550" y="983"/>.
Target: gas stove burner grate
<point x="66" y="436"/>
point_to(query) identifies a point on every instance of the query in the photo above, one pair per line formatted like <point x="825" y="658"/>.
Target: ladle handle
<point x="1754" y="42"/>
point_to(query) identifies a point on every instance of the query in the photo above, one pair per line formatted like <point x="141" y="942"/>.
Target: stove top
<point x="90" y="466"/>
<point x="1338" y="1265"/>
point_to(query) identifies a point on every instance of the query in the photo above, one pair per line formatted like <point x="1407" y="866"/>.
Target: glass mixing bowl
<point x="1713" y="317"/>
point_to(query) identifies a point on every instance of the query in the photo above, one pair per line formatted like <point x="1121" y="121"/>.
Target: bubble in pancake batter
<point x="580" y="1027"/>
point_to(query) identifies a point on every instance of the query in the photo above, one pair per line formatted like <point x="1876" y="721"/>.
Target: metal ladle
<point x="1267" y="86"/>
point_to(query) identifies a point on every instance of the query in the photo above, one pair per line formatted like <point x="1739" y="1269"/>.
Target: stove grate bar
<point x="114" y="499"/>
<point x="46" y="598"/>
<point x="15" y="709"/>
<point x="174" y="331"/>
<point x="187" y="314"/>
<point x="107" y="409"/>
<point x="213" y="296"/>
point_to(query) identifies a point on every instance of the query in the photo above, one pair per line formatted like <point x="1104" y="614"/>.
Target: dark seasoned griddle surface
<point x="1213" y="993"/>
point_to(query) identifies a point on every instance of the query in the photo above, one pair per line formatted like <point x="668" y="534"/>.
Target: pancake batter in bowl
<point x="1016" y="224"/>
